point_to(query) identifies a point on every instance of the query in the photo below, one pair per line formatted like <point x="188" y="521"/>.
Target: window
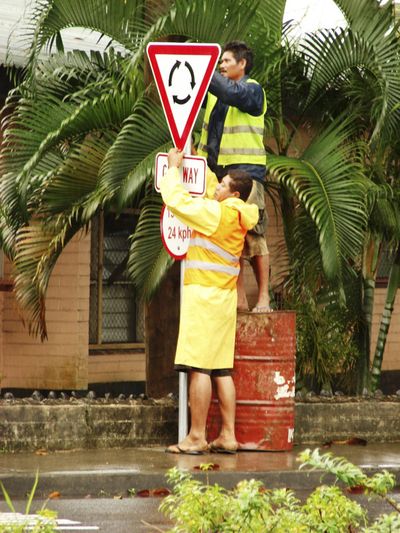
<point x="116" y="317"/>
<point x="387" y="255"/>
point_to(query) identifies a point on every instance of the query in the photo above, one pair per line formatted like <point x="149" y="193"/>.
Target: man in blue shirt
<point x="232" y="138"/>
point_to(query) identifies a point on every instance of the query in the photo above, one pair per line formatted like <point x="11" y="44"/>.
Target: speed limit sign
<point x="174" y="234"/>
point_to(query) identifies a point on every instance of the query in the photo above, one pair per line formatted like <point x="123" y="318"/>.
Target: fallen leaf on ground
<point x="148" y="493"/>
<point x="353" y="441"/>
<point x="160" y="492"/>
<point x="357" y="489"/>
<point x="356" y="441"/>
<point x="145" y="493"/>
<point x="54" y="495"/>
<point x="41" y="452"/>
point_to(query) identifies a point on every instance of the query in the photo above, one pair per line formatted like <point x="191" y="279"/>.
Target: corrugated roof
<point x="13" y="22"/>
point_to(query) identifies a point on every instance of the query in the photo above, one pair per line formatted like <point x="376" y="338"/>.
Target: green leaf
<point x="148" y="260"/>
<point x="329" y="184"/>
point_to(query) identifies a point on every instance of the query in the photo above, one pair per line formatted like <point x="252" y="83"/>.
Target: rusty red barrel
<point x="264" y="376"/>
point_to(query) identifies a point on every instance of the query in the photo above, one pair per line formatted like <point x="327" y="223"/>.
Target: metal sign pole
<point x="183" y="385"/>
<point x="183" y="376"/>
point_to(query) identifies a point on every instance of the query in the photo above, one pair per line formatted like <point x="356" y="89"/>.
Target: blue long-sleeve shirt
<point x="248" y="98"/>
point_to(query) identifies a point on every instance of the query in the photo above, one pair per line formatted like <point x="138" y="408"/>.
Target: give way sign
<point x="182" y="72"/>
<point x="192" y="173"/>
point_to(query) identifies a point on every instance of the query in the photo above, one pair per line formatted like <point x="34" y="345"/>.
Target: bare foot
<point x="189" y="446"/>
<point x="262" y="305"/>
<point x="224" y="445"/>
<point x="258" y="309"/>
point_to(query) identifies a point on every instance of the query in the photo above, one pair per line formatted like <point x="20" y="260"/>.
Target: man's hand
<point x="175" y="158"/>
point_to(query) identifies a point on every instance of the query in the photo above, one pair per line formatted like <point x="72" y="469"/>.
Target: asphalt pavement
<point x="101" y="472"/>
<point x="93" y="488"/>
<point x="141" y="515"/>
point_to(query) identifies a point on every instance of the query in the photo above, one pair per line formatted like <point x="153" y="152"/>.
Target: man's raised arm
<point x="200" y="214"/>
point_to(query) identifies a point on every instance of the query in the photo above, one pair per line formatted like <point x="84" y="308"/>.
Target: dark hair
<point x="240" y="182"/>
<point x="240" y="50"/>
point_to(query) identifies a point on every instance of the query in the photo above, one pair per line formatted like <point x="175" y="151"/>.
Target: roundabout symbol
<point x="176" y="66"/>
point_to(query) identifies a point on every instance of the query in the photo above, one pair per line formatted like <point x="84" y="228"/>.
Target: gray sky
<point x="313" y="14"/>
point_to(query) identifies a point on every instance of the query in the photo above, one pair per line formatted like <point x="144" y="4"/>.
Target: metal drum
<point x="264" y="376"/>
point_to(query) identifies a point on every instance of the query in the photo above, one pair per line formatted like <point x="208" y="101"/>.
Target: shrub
<point x="195" y="507"/>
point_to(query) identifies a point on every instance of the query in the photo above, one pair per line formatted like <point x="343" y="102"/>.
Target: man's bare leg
<point x="242" y="303"/>
<point x="199" y="398"/>
<point x="226" y="393"/>
<point x="260" y="264"/>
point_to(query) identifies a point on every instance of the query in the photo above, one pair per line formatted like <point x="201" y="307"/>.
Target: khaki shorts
<point x="255" y="243"/>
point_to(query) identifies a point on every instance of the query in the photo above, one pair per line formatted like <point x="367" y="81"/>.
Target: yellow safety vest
<point x="214" y="261"/>
<point x="242" y="136"/>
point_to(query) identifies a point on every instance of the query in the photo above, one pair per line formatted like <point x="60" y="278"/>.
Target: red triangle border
<point x="153" y="49"/>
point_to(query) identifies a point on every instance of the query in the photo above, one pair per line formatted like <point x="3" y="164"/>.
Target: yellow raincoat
<point x="208" y="310"/>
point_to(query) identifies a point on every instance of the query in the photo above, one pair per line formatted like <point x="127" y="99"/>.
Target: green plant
<point x="385" y="524"/>
<point x="43" y="522"/>
<point x="195" y="507"/>
<point x="352" y="476"/>
<point x="328" y="509"/>
<point x="324" y="344"/>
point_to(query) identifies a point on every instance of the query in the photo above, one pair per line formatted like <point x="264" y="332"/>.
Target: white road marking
<point x="31" y="520"/>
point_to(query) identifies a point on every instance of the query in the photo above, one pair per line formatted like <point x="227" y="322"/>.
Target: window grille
<point x="116" y="316"/>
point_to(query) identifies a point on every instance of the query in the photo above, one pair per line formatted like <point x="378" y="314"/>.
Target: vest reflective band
<point x="202" y="265"/>
<point x="214" y="261"/>
<point x="242" y="136"/>
<point x="208" y="245"/>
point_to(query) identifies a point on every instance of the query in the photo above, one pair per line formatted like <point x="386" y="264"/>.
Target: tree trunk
<point x="394" y="281"/>
<point x="370" y="262"/>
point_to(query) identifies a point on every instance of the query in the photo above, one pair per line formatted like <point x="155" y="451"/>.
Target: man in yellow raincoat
<point x="208" y="310"/>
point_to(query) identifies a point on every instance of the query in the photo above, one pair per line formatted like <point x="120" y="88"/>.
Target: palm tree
<point x="82" y="131"/>
<point x="360" y="64"/>
<point x="73" y="139"/>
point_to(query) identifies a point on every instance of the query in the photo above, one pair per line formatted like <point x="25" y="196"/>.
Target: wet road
<point x="131" y="515"/>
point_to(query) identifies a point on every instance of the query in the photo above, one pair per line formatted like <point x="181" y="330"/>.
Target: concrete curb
<point x="55" y="425"/>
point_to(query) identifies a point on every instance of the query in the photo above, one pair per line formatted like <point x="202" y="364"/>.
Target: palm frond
<point x="130" y="161"/>
<point x="366" y="15"/>
<point x="202" y="21"/>
<point x="75" y="183"/>
<point x="123" y="23"/>
<point x="69" y="75"/>
<point x="330" y="186"/>
<point x="41" y="127"/>
<point x="370" y="44"/>
<point x="148" y="260"/>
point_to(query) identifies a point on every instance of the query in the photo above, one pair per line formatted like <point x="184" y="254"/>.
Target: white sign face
<point x="182" y="83"/>
<point x="174" y="234"/>
<point x="192" y="172"/>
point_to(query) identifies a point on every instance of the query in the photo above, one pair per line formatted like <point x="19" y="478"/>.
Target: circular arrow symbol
<point x="176" y="66"/>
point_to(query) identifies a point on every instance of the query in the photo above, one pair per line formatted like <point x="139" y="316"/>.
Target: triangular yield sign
<point x="182" y="72"/>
